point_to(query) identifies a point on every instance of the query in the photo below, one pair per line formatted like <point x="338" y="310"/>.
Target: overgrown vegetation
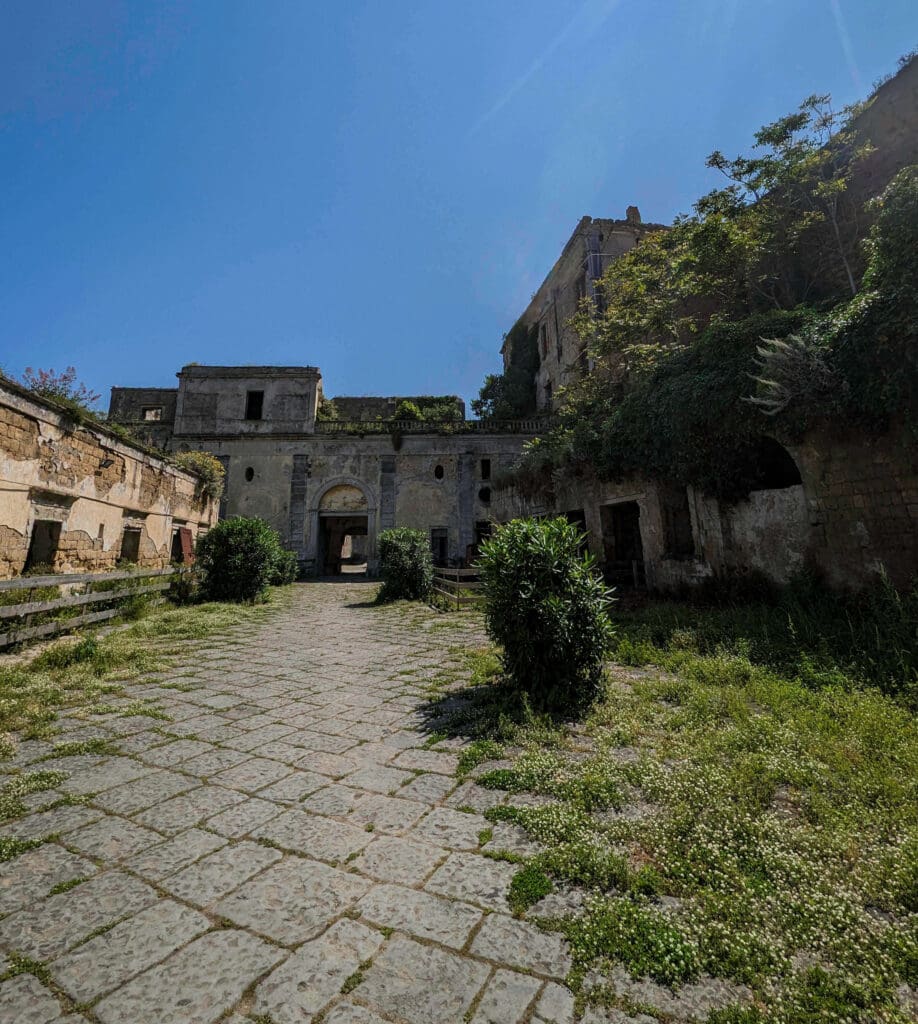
<point x="240" y="558"/>
<point x="209" y="469"/>
<point x="512" y="394"/>
<point x="775" y="306"/>
<point x="547" y="608"/>
<point x="720" y="811"/>
<point x="435" y="408"/>
<point x="804" y="631"/>
<point x="405" y="565"/>
<point x="88" y="675"/>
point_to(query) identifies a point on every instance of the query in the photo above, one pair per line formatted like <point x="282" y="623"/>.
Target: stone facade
<point x="850" y="512"/>
<point x="595" y="243"/>
<point x="76" y="497"/>
<point x="330" y="487"/>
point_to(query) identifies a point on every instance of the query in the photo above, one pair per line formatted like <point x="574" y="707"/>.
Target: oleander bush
<point x="238" y="559"/>
<point x="547" y="607"/>
<point x="405" y="564"/>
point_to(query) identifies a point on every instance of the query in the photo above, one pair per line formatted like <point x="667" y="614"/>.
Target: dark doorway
<point x="130" y="544"/>
<point x="439" y="546"/>
<point x="176" y="553"/>
<point x="342" y="545"/>
<point x="46" y="535"/>
<point x="621" y="539"/>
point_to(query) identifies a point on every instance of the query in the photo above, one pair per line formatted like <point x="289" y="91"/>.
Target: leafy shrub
<point x="405" y="564"/>
<point x="547" y="608"/>
<point x="238" y="558"/>
<point x="286" y="568"/>
<point x="208" y="468"/>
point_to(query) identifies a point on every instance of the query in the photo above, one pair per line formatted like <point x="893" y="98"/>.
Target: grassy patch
<point x="81" y="674"/>
<point x="12" y="846"/>
<point x="65" y="886"/>
<point x="12" y="792"/>
<point x="734" y="809"/>
<point x="528" y="886"/>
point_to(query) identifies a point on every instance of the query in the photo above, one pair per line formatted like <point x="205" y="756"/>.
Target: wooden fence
<point x="459" y="585"/>
<point x="18" y="620"/>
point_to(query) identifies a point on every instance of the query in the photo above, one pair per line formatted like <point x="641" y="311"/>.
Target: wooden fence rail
<point x="452" y="582"/>
<point x="152" y="581"/>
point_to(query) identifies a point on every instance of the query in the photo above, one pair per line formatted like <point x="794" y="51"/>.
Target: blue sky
<point x="375" y="188"/>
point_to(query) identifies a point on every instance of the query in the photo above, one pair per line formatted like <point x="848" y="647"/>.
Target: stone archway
<point x="342" y="527"/>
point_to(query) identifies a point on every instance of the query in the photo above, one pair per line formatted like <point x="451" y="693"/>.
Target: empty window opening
<point x="677" y="524"/>
<point x="254" y="404"/>
<point x="484" y="495"/>
<point x="543" y="338"/>
<point x="43" y="544"/>
<point x="101" y="534"/>
<point x="175" y="554"/>
<point x="485" y="469"/>
<point x="439" y="546"/>
<point x="577" y="517"/>
<point x="621" y="539"/>
<point x="438" y="472"/>
<point x="772" y="467"/>
<point x="249" y="474"/>
<point x="548" y="396"/>
<point x="130" y="544"/>
<point x="152" y="413"/>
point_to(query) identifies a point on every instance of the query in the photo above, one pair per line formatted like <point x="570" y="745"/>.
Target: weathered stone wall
<point x="212" y="400"/>
<point x="399" y="480"/>
<point x="862" y="502"/>
<point x="854" y="515"/>
<point x="89" y="482"/>
<point x="136" y="408"/>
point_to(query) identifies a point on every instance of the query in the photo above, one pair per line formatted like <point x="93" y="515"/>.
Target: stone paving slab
<point x="196" y="985"/>
<point x="110" y="959"/>
<point x="507" y="999"/>
<point x="475" y="879"/>
<point x="219" y="873"/>
<point x="300" y="827"/>
<point x="294" y="900"/>
<point x="420" y="914"/>
<point x="24" y="1000"/>
<point x="422" y="984"/>
<point x="313" y="976"/>
<point x="49" y="928"/>
<point x="157" y="862"/>
<point x="26" y="879"/>
<point x="391" y="859"/>
<point x="522" y="945"/>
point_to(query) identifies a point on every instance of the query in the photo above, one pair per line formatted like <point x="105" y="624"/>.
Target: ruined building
<point x="76" y="497"/>
<point x="329" y="486"/>
<point x="594" y="244"/>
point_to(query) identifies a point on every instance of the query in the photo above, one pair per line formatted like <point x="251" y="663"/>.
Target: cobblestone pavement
<point x="287" y="848"/>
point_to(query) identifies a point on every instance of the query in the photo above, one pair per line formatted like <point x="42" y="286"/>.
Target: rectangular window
<point x="254" y="403"/>
<point x="152" y="413"/>
<point x="485" y="469"/>
<point x="543" y="337"/>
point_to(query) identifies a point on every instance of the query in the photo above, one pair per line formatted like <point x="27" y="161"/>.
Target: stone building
<point x="845" y="505"/>
<point x="76" y="497"/>
<point x="594" y="244"/>
<point x="329" y="487"/>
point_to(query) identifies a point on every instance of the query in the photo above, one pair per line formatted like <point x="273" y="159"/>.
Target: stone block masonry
<point x="75" y="497"/>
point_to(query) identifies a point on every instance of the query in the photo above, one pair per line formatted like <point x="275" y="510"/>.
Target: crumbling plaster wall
<point x="54" y="469"/>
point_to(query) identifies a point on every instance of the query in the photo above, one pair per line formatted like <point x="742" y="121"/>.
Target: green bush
<point x="286" y="568"/>
<point x="405" y="564"/>
<point x="547" y="608"/>
<point x="238" y="559"/>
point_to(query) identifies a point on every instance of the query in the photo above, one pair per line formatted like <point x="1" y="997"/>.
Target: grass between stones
<point x="720" y="818"/>
<point x="87" y="673"/>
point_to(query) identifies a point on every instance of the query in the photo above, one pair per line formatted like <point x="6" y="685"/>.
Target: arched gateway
<point x="344" y="528"/>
